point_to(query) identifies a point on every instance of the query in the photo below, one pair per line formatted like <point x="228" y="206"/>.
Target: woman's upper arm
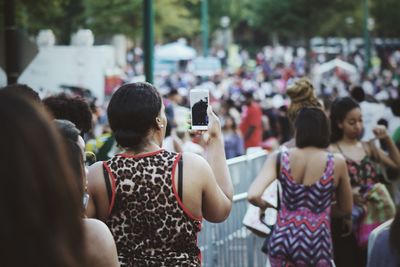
<point x="98" y="192"/>
<point x="102" y="251"/>
<point x="345" y="195"/>
<point x="264" y="178"/>
<point x="387" y="161"/>
<point x="216" y="206"/>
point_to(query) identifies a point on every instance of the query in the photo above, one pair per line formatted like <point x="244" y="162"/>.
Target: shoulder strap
<point x="278" y="171"/>
<point x="330" y="167"/>
<point x="180" y="177"/>
<point x="278" y="163"/>
<point x="340" y="150"/>
<point x="107" y="181"/>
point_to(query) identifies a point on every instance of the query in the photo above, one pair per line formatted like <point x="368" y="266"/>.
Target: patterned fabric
<point x="364" y="173"/>
<point x="378" y="205"/>
<point x="150" y="225"/>
<point x="301" y="236"/>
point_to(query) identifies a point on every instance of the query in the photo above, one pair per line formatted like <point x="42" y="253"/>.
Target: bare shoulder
<point x="340" y="162"/>
<point x="95" y="168"/>
<point x="98" y="232"/>
<point x="95" y="175"/>
<point x="339" y="159"/>
<point x="99" y="238"/>
<point x="194" y="161"/>
<point x="333" y="148"/>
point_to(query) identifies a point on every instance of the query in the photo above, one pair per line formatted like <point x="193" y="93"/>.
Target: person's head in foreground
<point x="39" y="199"/>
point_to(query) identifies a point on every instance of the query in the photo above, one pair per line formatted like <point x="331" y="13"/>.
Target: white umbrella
<point x="175" y="51"/>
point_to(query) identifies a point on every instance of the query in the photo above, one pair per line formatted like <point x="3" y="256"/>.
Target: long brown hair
<point x="39" y="197"/>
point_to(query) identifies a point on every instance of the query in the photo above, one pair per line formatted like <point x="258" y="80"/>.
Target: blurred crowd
<point x="258" y="90"/>
<point x="256" y="107"/>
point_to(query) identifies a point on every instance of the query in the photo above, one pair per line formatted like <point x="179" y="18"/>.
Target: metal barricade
<point x="230" y="244"/>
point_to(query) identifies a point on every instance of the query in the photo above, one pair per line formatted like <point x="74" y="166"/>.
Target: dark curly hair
<point x="24" y="90"/>
<point x="132" y="113"/>
<point x="340" y="108"/>
<point x="74" y="109"/>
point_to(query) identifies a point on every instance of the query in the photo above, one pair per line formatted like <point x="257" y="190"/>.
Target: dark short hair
<point x="74" y="109"/>
<point x="395" y="106"/>
<point x="312" y="128"/>
<point x="340" y="108"/>
<point x="248" y="94"/>
<point x="357" y="92"/>
<point x="132" y="113"/>
<point x="23" y="90"/>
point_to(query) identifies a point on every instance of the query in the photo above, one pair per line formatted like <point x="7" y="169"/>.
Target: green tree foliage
<point x="291" y="20"/>
<point x="106" y="18"/>
<point x="386" y="17"/>
<point x="62" y="16"/>
<point x="173" y="18"/>
<point x="302" y="19"/>
<point x="176" y="18"/>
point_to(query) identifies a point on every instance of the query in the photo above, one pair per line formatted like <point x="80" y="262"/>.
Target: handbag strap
<point x="278" y="197"/>
<point x="278" y="171"/>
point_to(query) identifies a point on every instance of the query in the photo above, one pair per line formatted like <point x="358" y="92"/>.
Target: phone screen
<point x="198" y="106"/>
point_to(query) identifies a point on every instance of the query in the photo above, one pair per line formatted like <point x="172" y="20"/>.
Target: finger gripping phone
<point x="199" y="100"/>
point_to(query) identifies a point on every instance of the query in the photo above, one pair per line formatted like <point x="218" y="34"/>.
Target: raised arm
<point x="393" y="159"/>
<point x="217" y="183"/>
<point x="216" y="155"/>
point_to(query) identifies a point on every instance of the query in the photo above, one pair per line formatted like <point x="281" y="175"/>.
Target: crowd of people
<point x="142" y="203"/>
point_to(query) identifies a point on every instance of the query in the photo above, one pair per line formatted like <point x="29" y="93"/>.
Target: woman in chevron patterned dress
<point x="309" y="176"/>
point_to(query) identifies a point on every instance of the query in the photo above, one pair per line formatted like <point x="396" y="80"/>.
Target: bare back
<point x="308" y="165"/>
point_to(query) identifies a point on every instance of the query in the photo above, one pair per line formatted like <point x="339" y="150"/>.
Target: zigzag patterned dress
<point x="302" y="234"/>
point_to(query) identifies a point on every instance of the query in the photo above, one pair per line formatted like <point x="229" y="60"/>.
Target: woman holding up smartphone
<point x="153" y="200"/>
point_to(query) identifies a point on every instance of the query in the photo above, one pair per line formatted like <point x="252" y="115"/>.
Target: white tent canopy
<point x="333" y="64"/>
<point x="175" y="51"/>
<point x="322" y="74"/>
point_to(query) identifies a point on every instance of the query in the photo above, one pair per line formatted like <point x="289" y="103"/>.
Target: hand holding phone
<point x="199" y="101"/>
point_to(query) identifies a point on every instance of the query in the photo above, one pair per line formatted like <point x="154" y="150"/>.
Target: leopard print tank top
<point x="150" y="224"/>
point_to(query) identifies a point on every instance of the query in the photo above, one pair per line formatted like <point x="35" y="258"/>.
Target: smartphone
<point x="198" y="107"/>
